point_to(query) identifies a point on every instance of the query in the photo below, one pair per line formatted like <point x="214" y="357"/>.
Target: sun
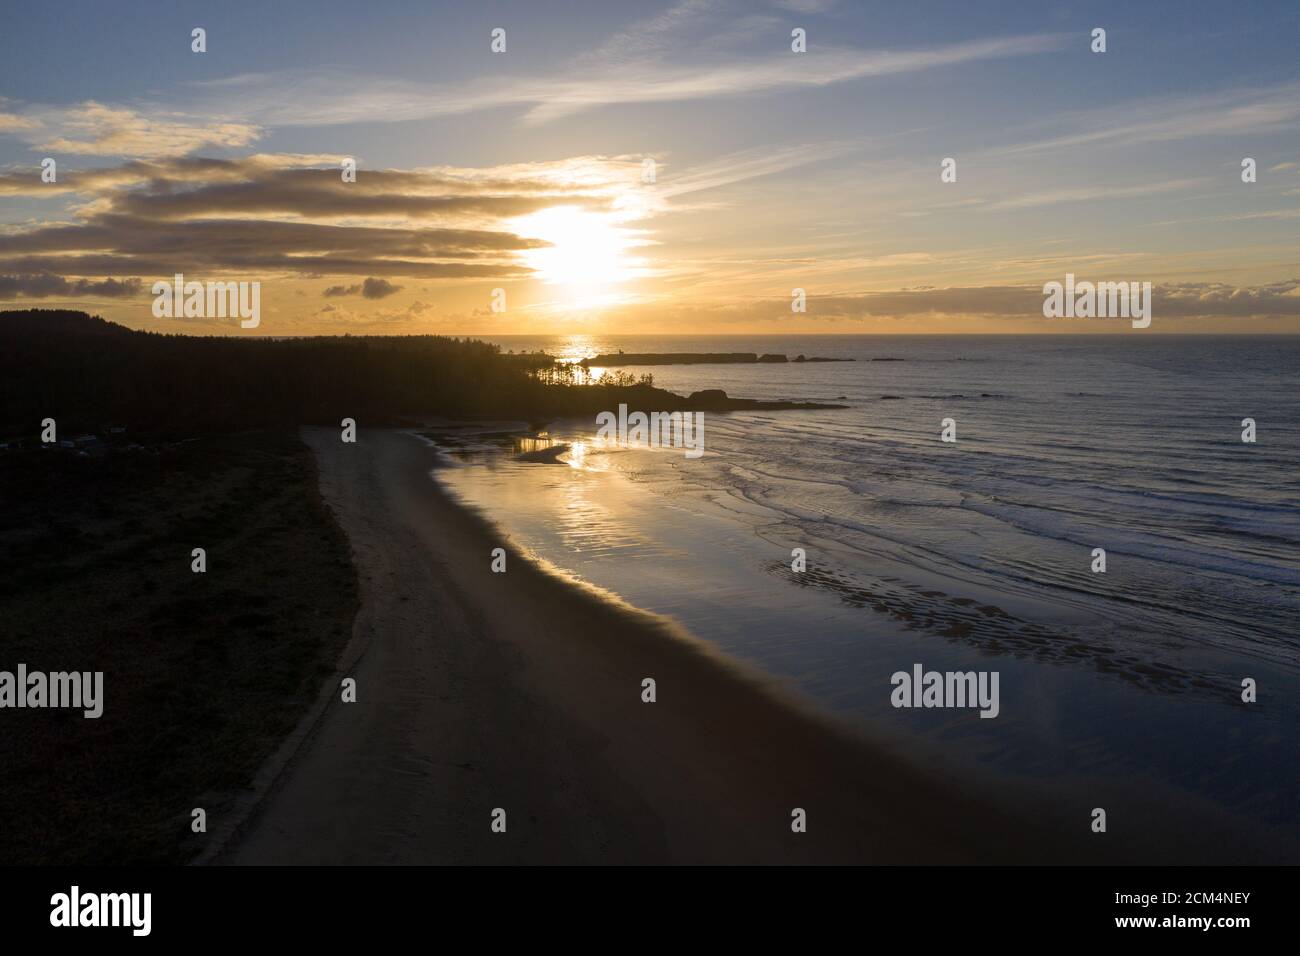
<point x="587" y="256"/>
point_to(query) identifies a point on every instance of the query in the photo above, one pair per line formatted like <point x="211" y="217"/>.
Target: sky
<point x="648" y="168"/>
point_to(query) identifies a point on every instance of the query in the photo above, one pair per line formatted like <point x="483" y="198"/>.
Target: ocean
<point x="1121" y="687"/>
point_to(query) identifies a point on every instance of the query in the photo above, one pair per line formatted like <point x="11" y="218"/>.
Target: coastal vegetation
<point x="89" y="374"/>
<point x="203" y="673"/>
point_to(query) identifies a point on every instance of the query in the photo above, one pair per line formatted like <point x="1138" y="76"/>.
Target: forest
<point x="91" y="375"/>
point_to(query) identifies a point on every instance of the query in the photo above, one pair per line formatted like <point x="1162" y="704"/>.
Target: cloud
<point x="805" y="6"/>
<point x="43" y="286"/>
<point x="1170" y="300"/>
<point x="1093" y="193"/>
<point x="1221" y="299"/>
<point x="630" y="68"/>
<point x="268" y="215"/>
<point x="751" y="164"/>
<point x="695" y="50"/>
<point x="1232" y="113"/>
<point x="94" y="129"/>
<point x="657" y="34"/>
<point x="9" y="122"/>
<point x="372" y="288"/>
<point x="186" y="187"/>
<point x="993" y="305"/>
<point x="660" y="82"/>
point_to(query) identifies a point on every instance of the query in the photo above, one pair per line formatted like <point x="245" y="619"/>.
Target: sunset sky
<point x="774" y="170"/>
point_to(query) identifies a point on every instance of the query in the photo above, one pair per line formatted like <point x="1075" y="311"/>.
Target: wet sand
<point x="522" y="691"/>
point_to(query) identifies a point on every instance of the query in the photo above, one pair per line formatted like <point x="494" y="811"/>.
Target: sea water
<point x="974" y="555"/>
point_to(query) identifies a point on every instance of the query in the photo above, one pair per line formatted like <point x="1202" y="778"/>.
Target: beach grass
<point x="204" y="673"/>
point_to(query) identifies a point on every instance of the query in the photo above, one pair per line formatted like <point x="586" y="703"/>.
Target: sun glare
<point x="587" y="257"/>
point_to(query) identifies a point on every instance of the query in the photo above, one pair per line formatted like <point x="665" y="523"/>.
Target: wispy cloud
<point x="1093" y="193"/>
<point x="1177" y="300"/>
<point x="806" y="6"/>
<point x="11" y="122"/>
<point x="752" y="164"/>
<point x="1174" y="301"/>
<point x="94" y="129"/>
<point x="330" y="98"/>
<point x="662" y="82"/>
<point x="1231" y="113"/>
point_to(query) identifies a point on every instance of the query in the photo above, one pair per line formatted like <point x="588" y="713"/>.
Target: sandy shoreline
<point x="523" y="691"/>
